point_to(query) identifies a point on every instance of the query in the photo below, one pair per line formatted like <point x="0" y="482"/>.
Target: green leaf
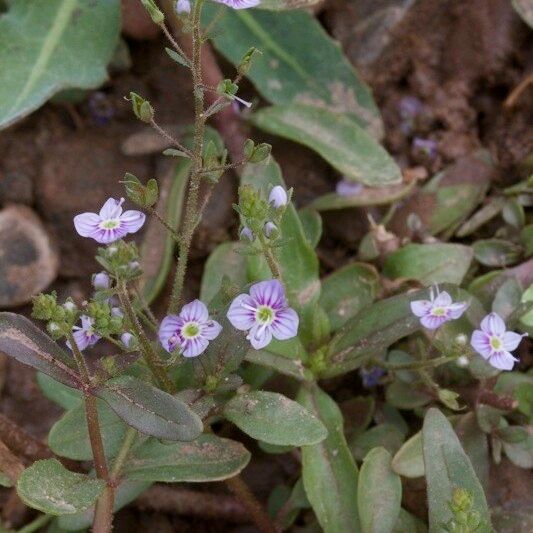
<point x="297" y="258"/>
<point x="126" y="492"/>
<point x="408" y="523"/>
<point x="347" y="291"/>
<point x="366" y="197"/>
<point x="387" y="436"/>
<point x="64" y="396"/>
<point x="337" y="138"/>
<point x="406" y="395"/>
<point x="312" y="225"/>
<point x="46" y="47"/>
<point x="507" y="298"/>
<point x="409" y="459"/>
<point x="496" y="252"/>
<point x="69" y="436"/>
<point x="285" y="72"/>
<point x="328" y="469"/>
<point x="157" y="249"/>
<point x="379" y="493"/>
<point x="372" y="331"/>
<point x="150" y="410"/>
<point x="225" y="260"/>
<point x="430" y="263"/>
<point x="22" y="340"/>
<point x="448" y="468"/>
<point x="49" y="487"/>
<point x="274" y="418"/>
<point x="279" y="5"/>
<point x="208" y="458"/>
<point x="289" y="367"/>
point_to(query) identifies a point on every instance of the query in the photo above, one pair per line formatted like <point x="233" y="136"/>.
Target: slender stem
<point x="173" y="42"/>
<point x="127" y="443"/>
<point x="169" y="138"/>
<point x="191" y="207"/>
<point x="36" y="524"/>
<point x="164" y="223"/>
<point x="103" y="514"/>
<point x="154" y="363"/>
<point x="269" y="256"/>
<point x="254" y="508"/>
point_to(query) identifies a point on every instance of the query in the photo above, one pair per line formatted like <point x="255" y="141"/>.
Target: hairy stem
<point x="154" y="363"/>
<point x="269" y="256"/>
<point x="191" y="208"/>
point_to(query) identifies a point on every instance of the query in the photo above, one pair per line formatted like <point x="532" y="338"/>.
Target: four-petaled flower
<point x="239" y="4"/>
<point x="494" y="343"/>
<point x="110" y="224"/>
<point x="190" y="331"/>
<point x="84" y="336"/>
<point x="265" y="313"/>
<point x="438" y="310"/>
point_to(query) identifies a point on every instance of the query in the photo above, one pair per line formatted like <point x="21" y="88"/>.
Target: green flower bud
<point x="154" y="12"/>
<point x="246" y="61"/>
<point x="142" y="195"/>
<point x="44" y="306"/>
<point x="141" y="107"/>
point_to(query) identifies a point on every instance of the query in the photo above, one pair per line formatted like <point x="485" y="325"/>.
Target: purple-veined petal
<point x="421" y="307"/>
<point x="457" y="309"/>
<point x="433" y="322"/>
<point x="87" y="224"/>
<point x="511" y="340"/>
<point x="239" y="4"/>
<point x="241" y="317"/>
<point x="86" y="322"/>
<point x="170" y="327"/>
<point x="502" y="360"/>
<point x="285" y="325"/>
<point x="211" y="330"/>
<point x="81" y="339"/>
<point x="260" y="336"/>
<point x="269" y="293"/>
<point x="111" y="209"/>
<point x="278" y="196"/>
<point x="480" y="341"/>
<point x="194" y="347"/>
<point x="443" y="299"/>
<point x="195" y="311"/>
<point x="493" y="324"/>
<point x="107" y="236"/>
<point x="132" y="220"/>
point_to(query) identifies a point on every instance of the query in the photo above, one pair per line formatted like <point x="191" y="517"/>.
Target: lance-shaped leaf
<point x="328" y="469"/>
<point x="49" y="487"/>
<point x="22" y="340"/>
<point x="336" y="137"/>
<point x="286" y="72"/>
<point x="126" y="492"/>
<point x="365" y="197"/>
<point x="150" y="410"/>
<point x="448" y="468"/>
<point x="208" y="458"/>
<point x="379" y="493"/>
<point x="69" y="436"/>
<point x="430" y="263"/>
<point x="371" y="331"/>
<point x="289" y="367"/>
<point x="312" y="225"/>
<point x="297" y="258"/>
<point x="49" y="46"/>
<point x="347" y="291"/>
<point x="274" y="418"/>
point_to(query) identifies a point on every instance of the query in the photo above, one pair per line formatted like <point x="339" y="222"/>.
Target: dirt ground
<point x="458" y="61"/>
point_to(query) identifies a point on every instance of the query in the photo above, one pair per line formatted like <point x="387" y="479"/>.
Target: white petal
<point x="240" y="317"/>
<point x="493" y="324"/>
<point x="259" y="336"/>
<point x="502" y="360"/>
<point x="87" y="224"/>
<point x="511" y="340"/>
<point x="480" y="341"/>
<point x="457" y="309"/>
<point x="433" y="322"/>
<point x="285" y="325"/>
<point x="211" y="330"/>
<point x="443" y="299"/>
<point x="421" y="307"/>
<point x="195" y="311"/>
<point x="194" y="347"/>
<point x="132" y="220"/>
<point x="111" y="209"/>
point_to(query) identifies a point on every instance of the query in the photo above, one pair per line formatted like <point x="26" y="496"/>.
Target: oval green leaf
<point x="274" y="418"/>
<point x="209" y="458"/>
<point x="49" y="487"/>
<point x="338" y="139"/>
<point x="409" y="459"/>
<point x="150" y="410"/>
<point x="379" y="493"/>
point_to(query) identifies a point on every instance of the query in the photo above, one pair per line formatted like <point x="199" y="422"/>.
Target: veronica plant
<point x="146" y="411"/>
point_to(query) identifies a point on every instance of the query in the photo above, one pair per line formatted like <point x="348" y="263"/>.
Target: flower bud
<point x="154" y="12"/>
<point x="461" y="339"/>
<point x="462" y="361"/>
<point x="141" y="107"/>
<point x="101" y="280"/>
<point x="182" y="6"/>
<point x="127" y="339"/>
<point x="270" y="228"/>
<point x="117" y="311"/>
<point x="246" y="233"/>
<point x="278" y="197"/>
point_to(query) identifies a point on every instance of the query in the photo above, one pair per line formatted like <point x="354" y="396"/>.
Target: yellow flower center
<point x="190" y="330"/>
<point x="496" y="343"/>
<point x="264" y="314"/>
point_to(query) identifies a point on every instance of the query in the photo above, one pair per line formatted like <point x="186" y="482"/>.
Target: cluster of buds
<point x="59" y="317"/>
<point x="465" y="519"/>
<point x="259" y="217"/>
<point x="121" y="259"/>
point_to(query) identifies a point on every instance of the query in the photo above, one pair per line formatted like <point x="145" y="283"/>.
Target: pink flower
<point x="494" y="343"/>
<point x="84" y="336"/>
<point x="239" y="4"/>
<point x="111" y="224"/>
<point x="190" y="331"/>
<point x="264" y="313"/>
<point x="438" y="310"/>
